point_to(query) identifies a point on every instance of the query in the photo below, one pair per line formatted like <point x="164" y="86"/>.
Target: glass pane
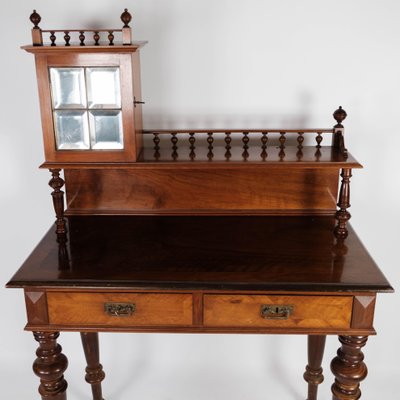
<point x="68" y="87"/>
<point x="106" y="129"/>
<point x="72" y="131"/>
<point x="103" y="87"/>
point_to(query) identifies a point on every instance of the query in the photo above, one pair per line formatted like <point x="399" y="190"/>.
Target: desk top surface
<point x="210" y="253"/>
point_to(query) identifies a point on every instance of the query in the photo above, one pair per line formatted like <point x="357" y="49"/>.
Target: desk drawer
<point x="119" y="309"/>
<point x="277" y="311"/>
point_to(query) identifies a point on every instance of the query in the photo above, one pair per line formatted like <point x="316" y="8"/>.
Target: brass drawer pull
<point x="273" y="311"/>
<point x="119" y="309"/>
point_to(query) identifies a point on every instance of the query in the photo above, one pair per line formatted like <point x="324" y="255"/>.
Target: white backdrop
<point x="216" y="63"/>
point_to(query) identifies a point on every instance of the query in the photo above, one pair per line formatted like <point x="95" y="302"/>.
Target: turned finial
<point x="126" y="17"/>
<point x="35" y="18"/>
<point x="340" y="115"/>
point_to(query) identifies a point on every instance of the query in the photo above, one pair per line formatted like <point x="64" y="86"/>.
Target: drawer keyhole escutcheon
<point x="273" y="311"/>
<point x="119" y="309"/>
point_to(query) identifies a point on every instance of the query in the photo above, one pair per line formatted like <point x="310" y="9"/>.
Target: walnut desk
<point x="205" y="231"/>
<point x="202" y="274"/>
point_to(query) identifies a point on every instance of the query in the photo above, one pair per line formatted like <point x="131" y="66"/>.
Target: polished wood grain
<point x="313" y="374"/>
<point x="308" y="311"/>
<point x="303" y="191"/>
<point x="201" y="307"/>
<point x="240" y="253"/>
<point x="151" y="309"/>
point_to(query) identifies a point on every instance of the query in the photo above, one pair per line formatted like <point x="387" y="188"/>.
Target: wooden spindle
<point x="318" y="154"/>
<point x="318" y="139"/>
<point x="210" y="141"/>
<point x="53" y="38"/>
<point x="245" y="140"/>
<point x="342" y="215"/>
<point x="96" y="38"/>
<point x="192" y="141"/>
<point x="300" y="140"/>
<point x="174" y="140"/>
<point x="228" y="141"/>
<point x="156" y="141"/>
<point x="82" y="38"/>
<point x="67" y="38"/>
<point x="282" y="139"/>
<point x="111" y="38"/>
<point x="264" y="141"/>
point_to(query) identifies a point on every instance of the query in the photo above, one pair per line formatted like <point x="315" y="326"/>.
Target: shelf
<point x="328" y="157"/>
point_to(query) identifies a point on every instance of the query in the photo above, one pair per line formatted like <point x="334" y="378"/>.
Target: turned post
<point x="94" y="370"/>
<point x="37" y="38"/>
<point x="126" y="17"/>
<point x="313" y="374"/>
<point x="342" y="215"/>
<point x="348" y="368"/>
<point x="338" y="131"/>
<point x="56" y="183"/>
<point x="49" y="366"/>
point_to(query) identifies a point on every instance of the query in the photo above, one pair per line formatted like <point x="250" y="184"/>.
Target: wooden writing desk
<point x="202" y="231"/>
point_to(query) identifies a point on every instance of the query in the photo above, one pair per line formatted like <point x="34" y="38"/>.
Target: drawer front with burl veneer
<point x="119" y="309"/>
<point x="278" y="311"/>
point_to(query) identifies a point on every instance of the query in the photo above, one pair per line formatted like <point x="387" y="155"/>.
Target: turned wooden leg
<point x="313" y="374"/>
<point x="94" y="370"/>
<point x="49" y="366"/>
<point x="349" y="368"/>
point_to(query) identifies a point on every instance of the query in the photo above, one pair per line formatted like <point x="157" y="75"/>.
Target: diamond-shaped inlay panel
<point x="363" y="312"/>
<point x="36" y="308"/>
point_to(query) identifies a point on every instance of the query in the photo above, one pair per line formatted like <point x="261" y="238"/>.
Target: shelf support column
<point x="342" y="215"/>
